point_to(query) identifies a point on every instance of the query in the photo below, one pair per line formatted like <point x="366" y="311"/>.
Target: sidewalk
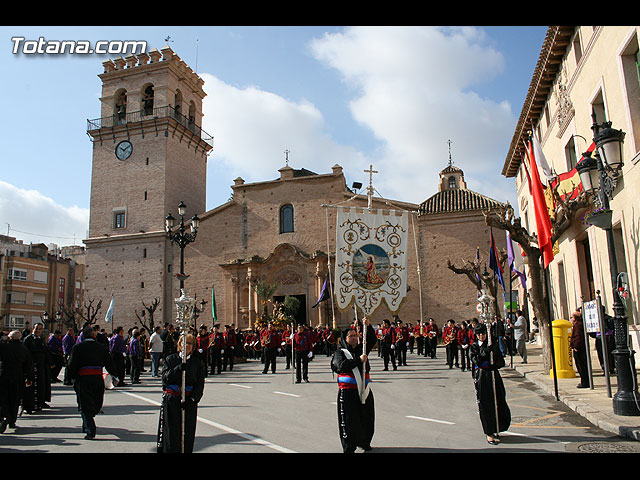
<point x="593" y="404"/>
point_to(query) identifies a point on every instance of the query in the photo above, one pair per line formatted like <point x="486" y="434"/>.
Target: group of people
<point x="395" y="339"/>
<point x="29" y="364"/>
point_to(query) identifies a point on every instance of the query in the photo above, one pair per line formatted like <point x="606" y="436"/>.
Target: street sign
<point x="591" y="316"/>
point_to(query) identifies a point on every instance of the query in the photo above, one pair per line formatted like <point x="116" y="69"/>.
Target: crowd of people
<point x="31" y="363"/>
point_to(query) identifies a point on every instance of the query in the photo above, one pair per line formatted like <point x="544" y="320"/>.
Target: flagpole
<point x="293" y="360"/>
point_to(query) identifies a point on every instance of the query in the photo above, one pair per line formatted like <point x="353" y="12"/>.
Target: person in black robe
<point x="85" y="367"/>
<point x="16" y="371"/>
<point x="170" y="424"/>
<point x="486" y="360"/>
<point x="38" y="393"/>
<point x="356" y="420"/>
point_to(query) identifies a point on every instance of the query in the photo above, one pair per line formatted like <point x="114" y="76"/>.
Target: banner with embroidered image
<point x="371" y="258"/>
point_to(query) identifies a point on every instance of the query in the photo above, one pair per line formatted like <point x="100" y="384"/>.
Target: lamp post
<point x="599" y="175"/>
<point x="181" y="237"/>
<point x="185" y="305"/>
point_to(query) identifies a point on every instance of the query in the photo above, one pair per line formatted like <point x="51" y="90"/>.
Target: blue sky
<point x="387" y="96"/>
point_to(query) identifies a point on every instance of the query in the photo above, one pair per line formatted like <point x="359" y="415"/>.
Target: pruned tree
<point x="481" y="278"/>
<point x="145" y="320"/>
<point x="88" y="314"/>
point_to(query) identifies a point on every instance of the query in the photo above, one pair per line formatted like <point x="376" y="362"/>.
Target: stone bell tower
<point x="149" y="154"/>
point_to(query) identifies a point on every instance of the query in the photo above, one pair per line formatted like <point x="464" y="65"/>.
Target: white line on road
<point x="431" y="420"/>
<point x="287" y="394"/>
<point x="224" y="428"/>
<point x="238" y="385"/>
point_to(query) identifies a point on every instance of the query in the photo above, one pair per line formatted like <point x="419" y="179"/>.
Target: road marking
<point x="542" y="439"/>
<point x="430" y="420"/>
<point x="238" y="385"/>
<point x="224" y="428"/>
<point x="287" y="394"/>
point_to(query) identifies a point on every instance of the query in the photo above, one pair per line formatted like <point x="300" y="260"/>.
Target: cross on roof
<point x="370" y="189"/>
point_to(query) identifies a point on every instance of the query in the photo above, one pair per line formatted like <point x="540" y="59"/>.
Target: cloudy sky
<point x="391" y="97"/>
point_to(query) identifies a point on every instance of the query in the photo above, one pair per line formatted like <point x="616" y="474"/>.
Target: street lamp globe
<point x="609" y="144"/>
<point x="182" y="208"/>
<point x="588" y="171"/>
<point x="169" y="222"/>
<point x="195" y="223"/>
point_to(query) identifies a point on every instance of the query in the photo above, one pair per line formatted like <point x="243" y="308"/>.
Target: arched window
<point x="178" y="104"/>
<point x="286" y="218"/>
<point x="147" y="100"/>
<point x="120" y="107"/>
<point x="452" y="182"/>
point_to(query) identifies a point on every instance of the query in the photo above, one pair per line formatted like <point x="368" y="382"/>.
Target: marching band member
<point x="463" y="341"/>
<point x="449" y="339"/>
<point x="230" y="344"/>
<point x="303" y="350"/>
<point x="356" y="411"/>
<point x="418" y="335"/>
<point x="329" y="341"/>
<point x="271" y="345"/>
<point x="402" y="341"/>
<point x="431" y="342"/>
<point x="202" y="341"/>
<point x="388" y="344"/>
<point x="216" y="349"/>
<point x="286" y="344"/>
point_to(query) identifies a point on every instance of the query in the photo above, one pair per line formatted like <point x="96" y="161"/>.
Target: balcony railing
<point x="149" y="114"/>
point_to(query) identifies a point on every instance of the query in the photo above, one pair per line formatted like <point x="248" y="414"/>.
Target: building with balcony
<point x="585" y="75"/>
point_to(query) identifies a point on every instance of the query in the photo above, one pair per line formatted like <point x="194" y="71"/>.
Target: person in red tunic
<point x="432" y="339"/>
<point x="203" y="341"/>
<point x="230" y="344"/>
<point x="303" y="350"/>
<point x="216" y="349"/>
<point x="271" y="340"/>
<point x="449" y="339"/>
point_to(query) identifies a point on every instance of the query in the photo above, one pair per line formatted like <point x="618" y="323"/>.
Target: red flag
<point x="543" y="221"/>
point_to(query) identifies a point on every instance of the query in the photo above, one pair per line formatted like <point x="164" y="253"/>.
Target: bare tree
<point x="147" y="321"/>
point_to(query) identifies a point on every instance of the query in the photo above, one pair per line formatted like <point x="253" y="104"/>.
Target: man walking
<point x="87" y="360"/>
<point x="520" y="335"/>
<point x="155" y="350"/>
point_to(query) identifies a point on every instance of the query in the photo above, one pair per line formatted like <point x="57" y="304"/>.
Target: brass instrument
<point x="421" y="328"/>
<point x="450" y="337"/>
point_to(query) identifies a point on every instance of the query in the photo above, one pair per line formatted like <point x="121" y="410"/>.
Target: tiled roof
<point x="456" y="200"/>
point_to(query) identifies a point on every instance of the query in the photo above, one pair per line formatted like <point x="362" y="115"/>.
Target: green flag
<point x="213" y="305"/>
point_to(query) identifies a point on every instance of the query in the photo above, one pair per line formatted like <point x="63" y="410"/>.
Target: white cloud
<point x="253" y="128"/>
<point x="413" y="90"/>
<point x="35" y="218"/>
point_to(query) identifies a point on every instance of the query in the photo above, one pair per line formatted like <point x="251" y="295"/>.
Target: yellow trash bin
<point x="562" y="349"/>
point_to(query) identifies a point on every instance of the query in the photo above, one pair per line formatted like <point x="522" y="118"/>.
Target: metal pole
<point x="625" y="401"/>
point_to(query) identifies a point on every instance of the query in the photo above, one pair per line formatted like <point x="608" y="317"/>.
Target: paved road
<point x="424" y="407"/>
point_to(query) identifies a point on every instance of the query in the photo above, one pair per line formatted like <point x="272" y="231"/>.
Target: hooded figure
<point x="490" y="392"/>
<point x="356" y="412"/>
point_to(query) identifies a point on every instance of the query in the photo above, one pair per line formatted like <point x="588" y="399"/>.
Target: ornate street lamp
<point x="181" y="237"/>
<point x="599" y="175"/>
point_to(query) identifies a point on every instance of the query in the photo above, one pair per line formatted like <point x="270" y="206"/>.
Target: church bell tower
<point x="149" y="154"/>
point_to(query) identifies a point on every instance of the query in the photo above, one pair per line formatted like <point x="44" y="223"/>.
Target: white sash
<point x="359" y="379"/>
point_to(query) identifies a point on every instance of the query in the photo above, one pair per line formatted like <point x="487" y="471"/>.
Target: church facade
<point x="149" y="156"/>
